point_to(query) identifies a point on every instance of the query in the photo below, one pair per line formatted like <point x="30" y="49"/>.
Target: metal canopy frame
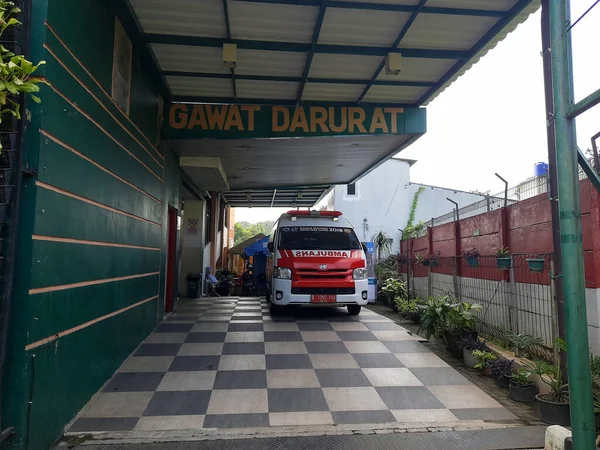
<point x="301" y="197"/>
<point x="462" y="57"/>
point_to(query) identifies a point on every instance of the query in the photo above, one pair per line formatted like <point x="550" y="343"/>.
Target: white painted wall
<point x="384" y="199"/>
<point x="192" y="242"/>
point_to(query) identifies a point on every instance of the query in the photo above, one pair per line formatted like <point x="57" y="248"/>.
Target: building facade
<point x="383" y="199"/>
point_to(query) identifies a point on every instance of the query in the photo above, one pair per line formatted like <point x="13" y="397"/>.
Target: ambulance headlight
<point x="283" y="273"/>
<point x="359" y="274"/>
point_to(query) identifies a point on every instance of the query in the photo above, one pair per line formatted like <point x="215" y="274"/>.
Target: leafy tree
<point x="246" y="230"/>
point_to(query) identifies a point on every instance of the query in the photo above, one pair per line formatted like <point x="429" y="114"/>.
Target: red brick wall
<point x="525" y="228"/>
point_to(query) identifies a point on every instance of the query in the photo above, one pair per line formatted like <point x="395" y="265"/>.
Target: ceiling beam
<point x="198" y="41"/>
<point x="389" y="7"/>
<point x="313" y="47"/>
<point x="395" y="44"/>
<point x="508" y="17"/>
<point x="173" y="73"/>
<point x="276" y="102"/>
<point x="228" y="30"/>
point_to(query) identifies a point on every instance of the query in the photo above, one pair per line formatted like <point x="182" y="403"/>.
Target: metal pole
<point x="580" y="380"/>
<point x="595" y="150"/>
<point x="556" y="274"/>
<point x="505" y="190"/>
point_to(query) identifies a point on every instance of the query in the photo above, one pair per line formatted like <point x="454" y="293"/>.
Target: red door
<point x="172" y="242"/>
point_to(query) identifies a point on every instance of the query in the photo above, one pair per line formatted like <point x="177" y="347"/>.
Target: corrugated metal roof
<point x="181" y="17"/>
<point x="391" y="94"/>
<point x="500" y="5"/>
<point x="209" y="87"/>
<point x="266" y="89"/>
<point x="256" y="62"/>
<point x="390" y="2"/>
<point x="271" y="21"/>
<point x="328" y="91"/>
<point x="185" y="58"/>
<point x="447" y="32"/>
<point x="361" y="27"/>
<point x="349" y="67"/>
<point x="420" y="69"/>
<point x="276" y="39"/>
<point x="520" y="18"/>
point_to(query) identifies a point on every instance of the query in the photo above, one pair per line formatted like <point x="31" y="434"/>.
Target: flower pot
<point x="469" y="359"/>
<point x="535" y="264"/>
<point x="414" y="317"/>
<point x="553" y="412"/>
<point x="452" y="341"/>
<point x="503" y="262"/>
<point x="522" y="392"/>
<point x="503" y="381"/>
<point x="487" y="371"/>
<point x="473" y="261"/>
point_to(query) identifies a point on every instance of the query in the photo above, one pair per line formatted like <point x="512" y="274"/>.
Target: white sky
<point x="492" y="119"/>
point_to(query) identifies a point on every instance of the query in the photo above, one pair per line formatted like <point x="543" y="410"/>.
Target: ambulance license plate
<point x="323" y="298"/>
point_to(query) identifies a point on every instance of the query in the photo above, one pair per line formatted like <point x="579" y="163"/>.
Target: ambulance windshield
<point x="318" y="238"/>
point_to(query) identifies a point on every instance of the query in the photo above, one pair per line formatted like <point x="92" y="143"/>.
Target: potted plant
<point x="393" y="288"/>
<point x="415" y="315"/>
<point x="483" y="360"/>
<point x="434" y="315"/>
<point x="469" y="345"/>
<point x="472" y="257"/>
<point x="402" y="259"/>
<point x="460" y="323"/>
<point x="406" y="306"/>
<point x="521" y="388"/>
<point x="554" y="406"/>
<point x="536" y="264"/>
<point x="521" y="342"/>
<point x="503" y="259"/>
<point x="430" y="259"/>
<point x="501" y="370"/>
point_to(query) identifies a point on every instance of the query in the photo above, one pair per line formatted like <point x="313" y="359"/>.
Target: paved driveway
<point x="225" y="363"/>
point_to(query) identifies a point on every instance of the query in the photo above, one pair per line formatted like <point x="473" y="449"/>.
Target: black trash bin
<point x="193" y="287"/>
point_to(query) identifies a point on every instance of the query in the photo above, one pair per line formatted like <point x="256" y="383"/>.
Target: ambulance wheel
<point x="274" y="310"/>
<point x="354" y="310"/>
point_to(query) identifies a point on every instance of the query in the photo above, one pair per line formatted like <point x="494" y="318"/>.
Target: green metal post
<point x="580" y="382"/>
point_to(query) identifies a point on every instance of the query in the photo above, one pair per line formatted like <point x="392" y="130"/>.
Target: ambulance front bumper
<point x="284" y="295"/>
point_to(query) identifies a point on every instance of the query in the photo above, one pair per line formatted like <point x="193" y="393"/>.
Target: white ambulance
<point x="316" y="259"/>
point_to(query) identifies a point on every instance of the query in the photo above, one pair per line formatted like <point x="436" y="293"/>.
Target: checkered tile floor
<point x="225" y="362"/>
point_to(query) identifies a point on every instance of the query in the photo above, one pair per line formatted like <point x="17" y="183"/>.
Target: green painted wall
<point x="100" y="181"/>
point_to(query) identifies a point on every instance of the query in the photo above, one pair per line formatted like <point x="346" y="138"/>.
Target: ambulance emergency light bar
<point x="333" y="214"/>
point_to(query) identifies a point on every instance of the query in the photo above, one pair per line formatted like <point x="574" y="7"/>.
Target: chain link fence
<point x="515" y="300"/>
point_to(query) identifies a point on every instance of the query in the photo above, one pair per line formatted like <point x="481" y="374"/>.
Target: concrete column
<point x="192" y="241"/>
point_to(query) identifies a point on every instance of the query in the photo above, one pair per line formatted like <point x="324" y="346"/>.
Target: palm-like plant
<point x="383" y="243"/>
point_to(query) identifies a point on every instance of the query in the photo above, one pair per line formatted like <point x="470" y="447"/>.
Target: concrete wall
<point x="384" y="198"/>
<point x="91" y="257"/>
<point x="192" y="242"/>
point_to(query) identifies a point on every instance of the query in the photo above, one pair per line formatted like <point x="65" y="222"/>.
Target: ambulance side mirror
<point x="270" y="247"/>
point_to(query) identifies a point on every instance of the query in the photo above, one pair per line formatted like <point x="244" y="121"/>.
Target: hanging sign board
<point x="192" y="121"/>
